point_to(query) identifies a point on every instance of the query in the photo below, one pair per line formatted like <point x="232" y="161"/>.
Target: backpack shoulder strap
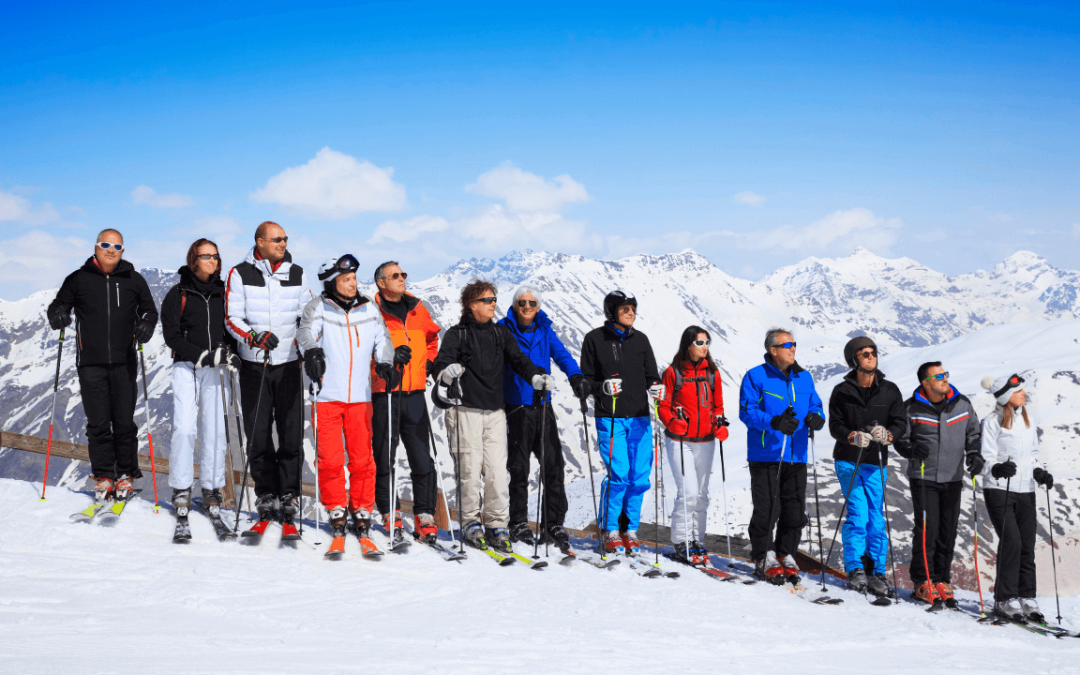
<point x="183" y="301"/>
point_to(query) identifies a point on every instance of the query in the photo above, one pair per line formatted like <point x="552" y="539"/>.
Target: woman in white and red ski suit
<point x="692" y="411"/>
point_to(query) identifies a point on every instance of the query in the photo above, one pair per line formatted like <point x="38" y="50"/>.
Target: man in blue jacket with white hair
<point x="779" y="406"/>
<point x="536" y="337"/>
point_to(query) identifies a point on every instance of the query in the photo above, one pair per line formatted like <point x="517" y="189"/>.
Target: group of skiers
<point x="368" y="362"/>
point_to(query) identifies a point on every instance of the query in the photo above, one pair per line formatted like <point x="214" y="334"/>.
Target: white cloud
<point x="407" y="230"/>
<point x="524" y="191"/>
<point x="36" y="260"/>
<point x="148" y="195"/>
<point x="748" y="198"/>
<point x="333" y="186"/>
<point x="875" y="233"/>
<point x="21" y="210"/>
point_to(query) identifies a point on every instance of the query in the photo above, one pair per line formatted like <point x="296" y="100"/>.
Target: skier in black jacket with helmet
<point x="113" y="311"/>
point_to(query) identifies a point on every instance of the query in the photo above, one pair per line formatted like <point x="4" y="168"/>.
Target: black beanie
<point x="853" y="346"/>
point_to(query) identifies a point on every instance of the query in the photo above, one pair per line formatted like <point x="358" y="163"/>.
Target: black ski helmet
<point x="614" y="301"/>
<point x="330" y="270"/>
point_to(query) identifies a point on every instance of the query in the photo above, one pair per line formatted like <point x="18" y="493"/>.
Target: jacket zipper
<point x="108" y="319"/>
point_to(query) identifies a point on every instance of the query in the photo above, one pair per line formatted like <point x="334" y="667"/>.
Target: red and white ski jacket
<point x="692" y="403"/>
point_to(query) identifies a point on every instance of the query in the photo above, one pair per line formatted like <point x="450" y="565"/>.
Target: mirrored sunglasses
<point x="785" y="345"/>
<point x="702" y="343"/>
<point x="105" y="246"/>
<point x="939" y="377"/>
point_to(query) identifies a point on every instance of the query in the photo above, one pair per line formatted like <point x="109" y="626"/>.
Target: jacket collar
<point x="122" y="268"/>
<point x="541" y="321"/>
<point x="795" y="367"/>
<point x="189" y="282"/>
<point x="410" y="300"/>
<point x="346" y="306"/>
<point x="258" y="261"/>
<point x="468" y="321"/>
<point x="618" y="333"/>
<point x="953" y="393"/>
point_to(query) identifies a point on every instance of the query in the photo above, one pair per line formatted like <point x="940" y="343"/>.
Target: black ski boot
<point x="878" y="585"/>
<point x="557" y="535"/>
<point x="521" y="532"/>
<point x="856" y="580"/>
<point x="683" y="553"/>
<point x="266" y="506"/>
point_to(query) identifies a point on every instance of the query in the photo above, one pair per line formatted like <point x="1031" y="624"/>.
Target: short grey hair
<point x="380" y="271"/>
<point x="529" y="290"/>
<point x="770" y="336"/>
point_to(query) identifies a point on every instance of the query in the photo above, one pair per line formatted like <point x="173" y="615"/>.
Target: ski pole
<point x="457" y="472"/>
<point x="390" y="460"/>
<point x="975" y="529"/>
<point x="605" y="487"/>
<point x="225" y="416"/>
<point x="685" y="492"/>
<point x="438" y="475"/>
<point x="727" y="524"/>
<point x="1053" y="552"/>
<point x="656" y="488"/>
<point x="817" y="504"/>
<point x="888" y="528"/>
<point x="149" y="433"/>
<point x="254" y="429"/>
<point x="540" y="492"/>
<point x="234" y="382"/>
<point x="592" y="477"/>
<point x="315" y="436"/>
<point x="300" y="455"/>
<point x="52" y="415"/>
<point x="1005" y="515"/>
<point x="851" y="485"/>
<point x="926" y="560"/>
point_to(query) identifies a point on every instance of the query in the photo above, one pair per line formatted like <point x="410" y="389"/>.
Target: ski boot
<point x="473" y="535"/>
<point x="945" y="592"/>
<point x="103" y="489"/>
<point x="181" y="501"/>
<point x="630" y="541"/>
<point x="1031" y="610"/>
<point x="699" y="553"/>
<point x="927" y="593"/>
<point x="426" y="529"/>
<point x="1010" y="610"/>
<point x="611" y="543"/>
<point x="857" y="581"/>
<point x="124" y="488"/>
<point x="557" y="535"/>
<point x="521" y="532"/>
<point x="266" y="507"/>
<point x="397" y="521"/>
<point x="684" y="553"/>
<point x="212" y="502"/>
<point x="499" y="539"/>
<point x="337" y="522"/>
<point x="362" y="523"/>
<point x="769" y="569"/>
<point x="878" y="585"/>
<point x="791" y="569"/>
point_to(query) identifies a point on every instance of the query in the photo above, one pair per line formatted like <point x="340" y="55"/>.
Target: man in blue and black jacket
<point x="535" y="335"/>
<point x="779" y="405"/>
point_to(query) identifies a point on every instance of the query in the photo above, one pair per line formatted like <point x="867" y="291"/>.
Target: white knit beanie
<point x="1003" y="387"/>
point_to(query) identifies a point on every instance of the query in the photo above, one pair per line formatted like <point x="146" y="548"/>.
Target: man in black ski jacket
<point x="113" y="311"/>
<point x="866" y="412"/>
<point x="943" y="435"/>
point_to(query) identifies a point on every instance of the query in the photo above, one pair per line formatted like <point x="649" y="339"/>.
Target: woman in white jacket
<point x="1010" y="444"/>
<point x="341" y="333"/>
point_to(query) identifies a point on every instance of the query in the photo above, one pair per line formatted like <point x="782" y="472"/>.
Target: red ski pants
<point x="353" y="422"/>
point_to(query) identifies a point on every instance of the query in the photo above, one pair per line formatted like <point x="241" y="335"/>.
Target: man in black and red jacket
<point x="113" y="311"/>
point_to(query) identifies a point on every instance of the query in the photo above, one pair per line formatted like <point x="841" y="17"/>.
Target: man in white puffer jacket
<point x="342" y="332"/>
<point x="263" y="298"/>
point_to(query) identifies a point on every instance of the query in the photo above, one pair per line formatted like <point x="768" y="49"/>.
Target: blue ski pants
<point x="864" y="527"/>
<point x="628" y="460"/>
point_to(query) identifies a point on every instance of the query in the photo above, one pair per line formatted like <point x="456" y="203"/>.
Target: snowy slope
<point x="84" y="599"/>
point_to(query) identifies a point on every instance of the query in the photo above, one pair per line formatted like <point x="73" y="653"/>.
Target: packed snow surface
<point x="78" y="598"/>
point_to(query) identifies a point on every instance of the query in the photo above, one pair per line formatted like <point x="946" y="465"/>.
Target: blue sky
<point x="756" y="133"/>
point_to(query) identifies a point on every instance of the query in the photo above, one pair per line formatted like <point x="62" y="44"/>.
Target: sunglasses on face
<point x="785" y="345"/>
<point x="702" y="343"/>
<point x="397" y="275"/>
<point x="105" y="246"/>
<point x="939" y="377"/>
<point x="867" y="354"/>
<point x="527" y="303"/>
<point x="208" y="256"/>
<point x="488" y="301"/>
<point x="277" y="240"/>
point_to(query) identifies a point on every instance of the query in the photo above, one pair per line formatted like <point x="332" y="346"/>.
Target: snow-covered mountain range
<point x="1022" y="315"/>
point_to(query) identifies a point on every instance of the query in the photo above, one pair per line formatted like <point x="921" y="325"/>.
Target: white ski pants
<point x="693" y="492"/>
<point x="478" y="440"/>
<point x="197" y="413"/>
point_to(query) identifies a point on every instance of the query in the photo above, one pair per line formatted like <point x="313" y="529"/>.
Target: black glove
<point x="205" y="360"/>
<point x="814" y="421"/>
<point x="265" y="340"/>
<point x="1043" y="478"/>
<point x="786" y="423"/>
<point x="388" y="373"/>
<point x="581" y="387"/>
<point x="144" y="330"/>
<point x="1003" y="470"/>
<point x="721" y="421"/>
<point x="59" y="318"/>
<point x="975" y="463"/>
<point x="402" y="355"/>
<point x="315" y="364"/>
<point x="919" y="452"/>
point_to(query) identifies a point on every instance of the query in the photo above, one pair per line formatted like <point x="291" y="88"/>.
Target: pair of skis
<point x="105" y="513"/>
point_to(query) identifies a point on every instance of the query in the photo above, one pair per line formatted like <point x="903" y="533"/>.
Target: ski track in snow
<point x="78" y="598"/>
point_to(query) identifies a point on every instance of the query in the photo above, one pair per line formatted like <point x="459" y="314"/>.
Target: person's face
<point x="866" y="358"/>
<point x="483" y="311"/>
<point x="527" y="313"/>
<point x="108" y="258"/>
<point x="939" y="387"/>
<point x="1018" y="398"/>
<point x="627" y="315"/>
<point x="393" y="280"/>
<point x="345" y="284"/>
<point x="697" y="353"/>
<point x="205" y="267"/>
<point x="272" y="246"/>
<point x="783" y="357"/>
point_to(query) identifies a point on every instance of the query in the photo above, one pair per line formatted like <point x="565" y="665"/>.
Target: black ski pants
<point x="275" y="471"/>
<point x="942" y="504"/>
<point x="1015" y="526"/>
<point x="777" y="503"/>
<point x="410" y="426"/>
<point x="109" y="394"/>
<point x="523" y="440"/>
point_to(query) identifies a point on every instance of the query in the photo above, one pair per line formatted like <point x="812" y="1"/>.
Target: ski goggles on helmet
<point x="939" y="377"/>
<point x="1014" y="381"/>
<point x="343" y="265"/>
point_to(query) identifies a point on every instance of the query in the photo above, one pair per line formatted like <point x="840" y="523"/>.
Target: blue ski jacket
<point x="767" y="392"/>
<point x="540" y="343"/>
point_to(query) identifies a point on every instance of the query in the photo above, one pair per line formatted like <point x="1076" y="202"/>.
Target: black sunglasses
<point x="488" y="301"/>
<point x="276" y="240"/>
<point x="527" y="303"/>
<point x="867" y="353"/>
<point x="208" y="256"/>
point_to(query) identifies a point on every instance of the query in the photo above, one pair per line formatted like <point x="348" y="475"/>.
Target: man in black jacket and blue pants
<point x="113" y="311"/>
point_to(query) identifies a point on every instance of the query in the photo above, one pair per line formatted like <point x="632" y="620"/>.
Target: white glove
<point x="657" y="391"/>
<point x="613" y="387"/>
<point x="881" y="435"/>
<point x="451" y="373"/>
<point x="542" y="382"/>
<point x="860" y="439"/>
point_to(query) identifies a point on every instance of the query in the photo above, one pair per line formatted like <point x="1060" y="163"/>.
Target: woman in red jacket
<point x="692" y="411"/>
